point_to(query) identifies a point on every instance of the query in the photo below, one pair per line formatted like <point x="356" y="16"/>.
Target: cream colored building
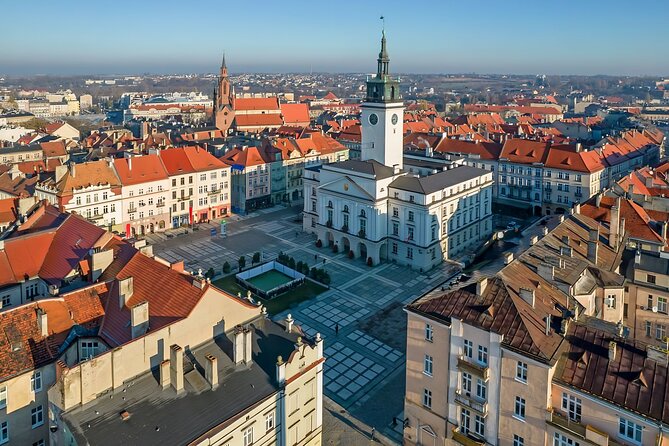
<point x="123" y="354"/>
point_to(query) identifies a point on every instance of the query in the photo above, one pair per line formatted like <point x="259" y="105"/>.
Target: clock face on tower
<point x="373" y="119"/>
<point x="394" y="119"/>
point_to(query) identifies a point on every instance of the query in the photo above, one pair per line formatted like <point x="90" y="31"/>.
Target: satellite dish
<point x="500" y="235"/>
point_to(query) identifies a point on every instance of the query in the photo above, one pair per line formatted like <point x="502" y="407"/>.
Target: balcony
<point x="95" y="217"/>
<point x="477" y="369"/>
<point x="466" y="439"/>
<point x="214" y="192"/>
<point x="578" y="429"/>
<point x="578" y="194"/>
<point x="132" y="210"/>
<point x="472" y="402"/>
<point x="184" y="197"/>
<point x="160" y="204"/>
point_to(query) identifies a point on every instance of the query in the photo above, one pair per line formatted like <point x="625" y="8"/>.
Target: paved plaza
<point x="358" y="364"/>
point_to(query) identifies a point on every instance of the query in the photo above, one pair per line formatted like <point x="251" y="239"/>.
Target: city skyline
<point x="153" y="37"/>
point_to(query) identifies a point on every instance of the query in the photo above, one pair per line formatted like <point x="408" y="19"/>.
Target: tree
<point x="226" y="267"/>
<point x="210" y="273"/>
<point x="242" y="262"/>
<point x="291" y="263"/>
<point x="256" y="258"/>
<point x="299" y="265"/>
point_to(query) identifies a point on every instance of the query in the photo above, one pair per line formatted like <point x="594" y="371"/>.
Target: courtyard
<point x="360" y="316"/>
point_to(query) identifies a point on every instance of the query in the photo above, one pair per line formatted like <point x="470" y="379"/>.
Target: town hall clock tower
<point x="382" y="115"/>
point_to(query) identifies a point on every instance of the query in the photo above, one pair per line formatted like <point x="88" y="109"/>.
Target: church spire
<point x="383" y="60"/>
<point x="223" y="65"/>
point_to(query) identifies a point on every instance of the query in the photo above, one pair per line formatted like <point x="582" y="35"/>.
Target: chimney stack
<point x="508" y="258"/>
<point x="527" y="295"/>
<point x="621" y="232"/>
<point x="546" y="271"/>
<point x="72" y="168"/>
<point x="630" y="191"/>
<point x="613" y="350"/>
<point x="177" y="368"/>
<point x="125" y="291"/>
<point x="42" y="322"/>
<point x="139" y="319"/>
<point x="130" y="163"/>
<point x="211" y="370"/>
<point x="534" y="240"/>
<point x="544" y="230"/>
<point x="238" y="345"/>
<point x="248" y="346"/>
<point x="481" y="286"/>
<point x="593" y="245"/>
<point x="598" y="199"/>
<point x="165" y="374"/>
<point x="577" y="208"/>
<point x="614" y="225"/>
<point x="548" y="325"/>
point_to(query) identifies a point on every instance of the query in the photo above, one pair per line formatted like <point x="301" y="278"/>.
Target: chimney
<point x="630" y="191"/>
<point x="546" y="271"/>
<point x="481" y="286"/>
<point x="613" y="350"/>
<point x="614" y="225"/>
<point x="527" y="295"/>
<point x="130" y="163"/>
<point x="289" y="323"/>
<point x="211" y="371"/>
<point x="139" y="319"/>
<point x="598" y="200"/>
<point x="621" y="231"/>
<point x="577" y="208"/>
<point x="165" y="374"/>
<point x="561" y="218"/>
<point x="664" y="226"/>
<point x="548" y="325"/>
<point x="508" y="257"/>
<point x="238" y="345"/>
<point x="248" y="346"/>
<point x="177" y="368"/>
<point x="577" y="312"/>
<point x="579" y="147"/>
<point x="534" y="240"/>
<point x="125" y="291"/>
<point x="544" y="230"/>
<point x="593" y="245"/>
<point x="42" y="322"/>
<point x="72" y="168"/>
<point x="100" y="261"/>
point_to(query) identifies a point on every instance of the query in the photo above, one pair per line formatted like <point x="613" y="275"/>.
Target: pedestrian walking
<point x="337" y="329"/>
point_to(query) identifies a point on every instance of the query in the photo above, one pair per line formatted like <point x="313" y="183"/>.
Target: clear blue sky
<point x="441" y="36"/>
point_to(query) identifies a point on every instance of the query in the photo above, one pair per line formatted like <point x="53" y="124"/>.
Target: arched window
<point x="346" y="209"/>
<point x="392" y="92"/>
<point x="362" y="213"/>
<point x="330" y="204"/>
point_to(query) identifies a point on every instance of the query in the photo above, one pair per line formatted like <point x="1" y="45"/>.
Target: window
<point x="396" y="229"/>
<point x="3" y="397"/>
<point x="611" y="301"/>
<point x="37" y="416"/>
<point x="521" y="372"/>
<point x="571" y="406"/>
<point x="396" y="212"/>
<point x="518" y="440"/>
<point x="6" y="301"/>
<point x="630" y="430"/>
<point x="479" y="425"/>
<point x="36" y="382"/>
<point x="39" y="442"/>
<point x="409" y="232"/>
<point x="4" y="432"/>
<point x="427" y="398"/>
<point x="483" y="355"/>
<point x="661" y="304"/>
<point x="89" y="349"/>
<point x="428" y="332"/>
<point x="660" y="332"/>
<point x="649" y="327"/>
<point x="468" y="349"/>
<point x="519" y="408"/>
<point x="649" y="302"/>
<point x="269" y="421"/>
<point x="465" y="416"/>
<point x="409" y="253"/>
<point x="650" y="278"/>
<point x="411" y="216"/>
<point x="562" y="440"/>
<point x="427" y="365"/>
<point x="394" y="248"/>
<point x="248" y="436"/>
<point x="466" y="382"/>
<point x="481" y="388"/>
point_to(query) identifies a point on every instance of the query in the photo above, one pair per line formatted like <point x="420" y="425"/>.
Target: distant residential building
<point x="295" y="114"/>
<point x="85" y="101"/>
<point x="62" y="129"/>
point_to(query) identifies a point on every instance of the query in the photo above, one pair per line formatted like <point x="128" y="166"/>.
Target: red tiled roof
<point x="486" y="150"/>
<point x="524" y="151"/>
<point x="22" y="346"/>
<point x="8" y="210"/>
<point x="258" y="120"/>
<point x="295" y="113"/>
<point x="179" y="161"/>
<point x="54" y="148"/>
<point x="330" y="96"/>
<point x="637" y="221"/>
<point x="569" y="159"/>
<point x="247" y="157"/>
<point x="140" y="169"/>
<point x="256" y="104"/>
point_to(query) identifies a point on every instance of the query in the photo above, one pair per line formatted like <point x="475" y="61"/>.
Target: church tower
<point x="224" y="112"/>
<point x="382" y="115"/>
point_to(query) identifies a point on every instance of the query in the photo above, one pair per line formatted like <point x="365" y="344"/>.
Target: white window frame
<point x="4" y="432"/>
<point x="572" y="406"/>
<point x="518" y="440"/>
<point x="483" y="355"/>
<point x="247" y="436"/>
<point x="3" y="397"/>
<point x="269" y="422"/>
<point x="429" y="333"/>
<point x="468" y="349"/>
<point x="428" y="365"/>
<point x="37" y="416"/>
<point x="624" y="425"/>
<point x="36" y="382"/>
<point x="520" y="409"/>
<point x="427" y="398"/>
<point x="521" y="372"/>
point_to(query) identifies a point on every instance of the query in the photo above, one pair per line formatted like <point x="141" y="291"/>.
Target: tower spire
<point x="223" y="65"/>
<point x="384" y="59"/>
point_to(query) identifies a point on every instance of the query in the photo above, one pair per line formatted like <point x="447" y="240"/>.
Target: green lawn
<point x="282" y="302"/>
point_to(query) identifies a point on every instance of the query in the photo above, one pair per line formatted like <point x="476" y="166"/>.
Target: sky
<point x="616" y="37"/>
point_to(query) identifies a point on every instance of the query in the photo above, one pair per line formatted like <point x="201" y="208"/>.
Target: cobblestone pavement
<point x="358" y="365"/>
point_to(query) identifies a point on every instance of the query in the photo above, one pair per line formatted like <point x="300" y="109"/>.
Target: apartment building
<point x="200" y="185"/>
<point x="251" y="168"/>
<point x="145" y="191"/>
<point x="91" y="189"/>
<point x="505" y="361"/>
<point x="144" y="341"/>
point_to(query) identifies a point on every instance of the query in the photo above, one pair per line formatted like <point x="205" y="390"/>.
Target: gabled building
<point x="250" y="169"/>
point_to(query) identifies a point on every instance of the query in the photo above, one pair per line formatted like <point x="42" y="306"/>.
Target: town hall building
<point x="379" y="211"/>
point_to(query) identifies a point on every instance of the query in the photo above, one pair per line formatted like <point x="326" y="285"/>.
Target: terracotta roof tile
<point x="140" y="169"/>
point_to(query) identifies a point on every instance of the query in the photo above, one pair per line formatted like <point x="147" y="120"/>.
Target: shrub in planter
<point x="319" y="243"/>
<point x="369" y="261"/>
<point x="350" y="254"/>
<point x="226" y="268"/>
<point x="313" y="273"/>
<point x="335" y="248"/>
<point x="210" y="273"/>
<point x="305" y="269"/>
<point x="326" y="278"/>
<point x="256" y="258"/>
<point x="298" y="266"/>
<point x="291" y="263"/>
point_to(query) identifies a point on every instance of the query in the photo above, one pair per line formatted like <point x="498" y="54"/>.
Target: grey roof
<point x="160" y="417"/>
<point x="650" y="262"/>
<point x="437" y="181"/>
<point x="20" y="149"/>
<point x="368" y="167"/>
